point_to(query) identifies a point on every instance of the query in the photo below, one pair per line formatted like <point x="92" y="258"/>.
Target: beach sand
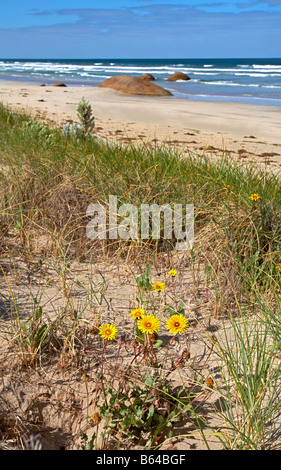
<point x="54" y="397"/>
<point x="248" y="132"/>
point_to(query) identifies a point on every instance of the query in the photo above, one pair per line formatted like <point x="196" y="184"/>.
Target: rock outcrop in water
<point x="177" y="76"/>
<point x="147" y="76"/>
<point x="59" y="84"/>
<point x="134" y="86"/>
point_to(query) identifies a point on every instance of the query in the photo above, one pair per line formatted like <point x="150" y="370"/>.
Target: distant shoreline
<point x="204" y="98"/>
<point x="243" y="130"/>
<point x="249" y="81"/>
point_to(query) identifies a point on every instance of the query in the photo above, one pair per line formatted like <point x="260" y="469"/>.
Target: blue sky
<point x="140" y="28"/>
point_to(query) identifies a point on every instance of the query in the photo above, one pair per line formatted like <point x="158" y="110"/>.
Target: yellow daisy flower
<point x="149" y="324"/>
<point x="177" y="324"/>
<point x="278" y="266"/>
<point x="95" y="418"/>
<point x="137" y="313"/>
<point x="254" y="197"/>
<point x="159" y="286"/>
<point x="108" y="331"/>
<point x="173" y="273"/>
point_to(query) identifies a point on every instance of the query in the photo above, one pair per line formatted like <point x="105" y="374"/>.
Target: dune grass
<point x="47" y="181"/>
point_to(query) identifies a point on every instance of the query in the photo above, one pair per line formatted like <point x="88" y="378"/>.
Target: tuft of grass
<point x="249" y="394"/>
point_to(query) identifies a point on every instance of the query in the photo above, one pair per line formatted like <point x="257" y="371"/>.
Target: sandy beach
<point x="242" y="130"/>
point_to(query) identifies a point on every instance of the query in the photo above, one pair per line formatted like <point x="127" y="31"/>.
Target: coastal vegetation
<point x="176" y="348"/>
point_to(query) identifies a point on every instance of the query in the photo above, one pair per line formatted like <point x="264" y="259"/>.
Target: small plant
<point x="31" y="335"/>
<point x="86" y="443"/>
<point x="37" y="132"/>
<point x="141" y="403"/>
<point x="72" y="130"/>
<point x="86" y="124"/>
<point x="86" y="119"/>
<point x="143" y="281"/>
<point x="143" y="409"/>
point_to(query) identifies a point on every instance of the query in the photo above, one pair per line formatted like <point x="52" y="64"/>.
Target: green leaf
<point x="150" y="412"/>
<point x="172" y="311"/>
<point x="38" y="313"/>
<point x="140" y="338"/>
<point x="181" y="308"/>
<point x="40" y="337"/>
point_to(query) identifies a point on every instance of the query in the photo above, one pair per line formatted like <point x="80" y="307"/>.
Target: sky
<point x="140" y="29"/>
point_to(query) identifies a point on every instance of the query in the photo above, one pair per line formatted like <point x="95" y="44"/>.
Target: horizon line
<point x="136" y="58"/>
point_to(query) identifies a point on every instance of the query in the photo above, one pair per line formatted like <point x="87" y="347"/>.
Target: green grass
<point x="47" y="182"/>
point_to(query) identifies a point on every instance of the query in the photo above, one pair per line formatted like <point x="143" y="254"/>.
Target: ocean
<point x="253" y="81"/>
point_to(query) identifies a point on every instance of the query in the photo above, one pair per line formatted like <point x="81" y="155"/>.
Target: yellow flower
<point x="177" y="324"/>
<point x="108" y="331"/>
<point x="149" y="324"/>
<point x="159" y="286"/>
<point x="95" y="418"/>
<point x="254" y="197"/>
<point x="209" y="382"/>
<point x="137" y="313"/>
<point x="173" y="273"/>
<point x="278" y="266"/>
